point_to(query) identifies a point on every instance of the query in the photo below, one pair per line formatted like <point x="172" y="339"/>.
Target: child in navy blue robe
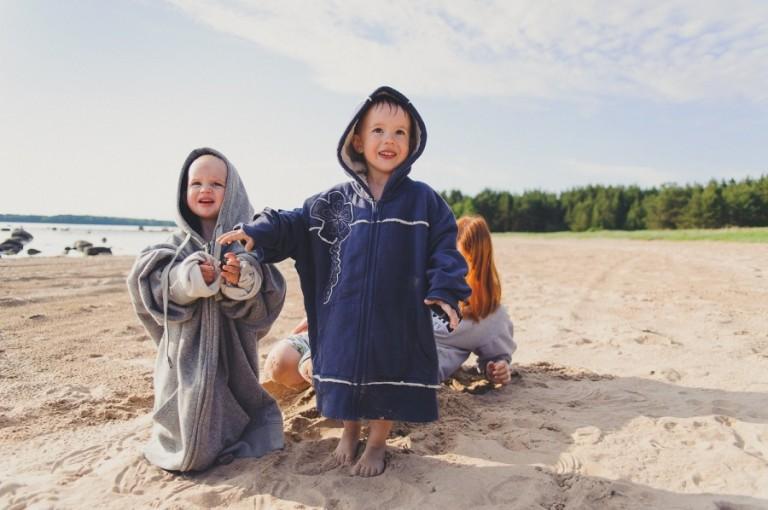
<point x="372" y="255"/>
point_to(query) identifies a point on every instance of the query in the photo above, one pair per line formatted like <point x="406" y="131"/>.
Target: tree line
<point x="717" y="204"/>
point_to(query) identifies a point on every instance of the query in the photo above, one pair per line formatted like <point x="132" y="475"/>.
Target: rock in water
<point x="32" y="251"/>
<point x="98" y="250"/>
<point x="11" y="246"/>
<point x="22" y="235"/>
<point x="82" y="246"/>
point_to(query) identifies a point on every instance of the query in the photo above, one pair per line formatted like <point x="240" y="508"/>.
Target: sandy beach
<point x="640" y="383"/>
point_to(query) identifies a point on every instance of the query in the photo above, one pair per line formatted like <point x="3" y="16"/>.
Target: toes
<point x="342" y="459"/>
<point x="367" y="470"/>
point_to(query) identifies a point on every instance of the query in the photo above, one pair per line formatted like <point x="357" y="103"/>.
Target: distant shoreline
<point x="76" y="219"/>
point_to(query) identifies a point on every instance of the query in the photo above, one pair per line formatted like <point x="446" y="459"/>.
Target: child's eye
<point x="401" y="132"/>
<point x="218" y="184"/>
<point x="377" y="130"/>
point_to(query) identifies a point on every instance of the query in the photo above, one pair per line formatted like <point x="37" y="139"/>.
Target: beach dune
<point x="640" y="383"/>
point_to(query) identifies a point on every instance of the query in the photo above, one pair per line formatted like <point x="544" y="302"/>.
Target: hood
<point x="355" y="167"/>
<point x="235" y="209"/>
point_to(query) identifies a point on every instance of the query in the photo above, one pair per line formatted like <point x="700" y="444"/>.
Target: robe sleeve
<point x="278" y="234"/>
<point x="146" y="290"/>
<point x="186" y="283"/>
<point x="249" y="283"/>
<point x="446" y="269"/>
<point x="264" y="306"/>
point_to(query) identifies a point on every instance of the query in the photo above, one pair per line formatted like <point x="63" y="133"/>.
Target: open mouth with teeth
<point x="387" y="154"/>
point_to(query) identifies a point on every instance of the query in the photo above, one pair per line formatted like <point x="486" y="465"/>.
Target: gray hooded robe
<point x="209" y="405"/>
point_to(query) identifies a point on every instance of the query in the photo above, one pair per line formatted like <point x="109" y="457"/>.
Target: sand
<point x="640" y="383"/>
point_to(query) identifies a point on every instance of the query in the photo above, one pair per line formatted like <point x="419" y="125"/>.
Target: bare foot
<point x="345" y="451"/>
<point x="371" y="462"/>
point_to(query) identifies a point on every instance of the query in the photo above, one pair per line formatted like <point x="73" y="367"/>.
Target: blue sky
<point x="101" y="101"/>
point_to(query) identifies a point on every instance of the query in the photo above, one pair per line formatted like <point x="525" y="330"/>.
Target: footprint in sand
<point x="135" y="476"/>
<point x="178" y="488"/>
<point x="211" y="498"/>
<point x="26" y="499"/>
<point x="9" y="488"/>
<point x="298" y="425"/>
<point x="671" y="375"/>
<point x="79" y="463"/>
<point x="568" y="464"/>
<point x="589" y="435"/>
<point x="314" y="457"/>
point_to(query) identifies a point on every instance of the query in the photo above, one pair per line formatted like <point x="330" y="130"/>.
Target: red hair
<point x="474" y="243"/>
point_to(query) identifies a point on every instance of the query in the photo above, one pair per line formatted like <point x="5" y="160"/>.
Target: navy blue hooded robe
<point x="366" y="267"/>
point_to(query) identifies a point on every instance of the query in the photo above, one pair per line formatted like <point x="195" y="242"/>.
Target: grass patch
<point x="741" y="235"/>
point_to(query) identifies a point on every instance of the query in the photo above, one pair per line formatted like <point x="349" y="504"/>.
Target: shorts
<point x="300" y="342"/>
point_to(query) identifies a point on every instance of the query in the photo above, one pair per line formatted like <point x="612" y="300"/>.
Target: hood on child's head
<point x="236" y="208"/>
<point x="352" y="161"/>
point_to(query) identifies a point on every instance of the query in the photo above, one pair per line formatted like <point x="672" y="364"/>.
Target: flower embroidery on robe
<point x="335" y="215"/>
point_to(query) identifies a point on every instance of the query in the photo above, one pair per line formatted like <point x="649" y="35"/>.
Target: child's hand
<point x="230" y="269"/>
<point x="208" y="271"/>
<point x="236" y="235"/>
<point x="498" y="372"/>
<point x="454" y="319"/>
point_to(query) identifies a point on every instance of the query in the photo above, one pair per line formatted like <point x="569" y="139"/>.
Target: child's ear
<point x="357" y="143"/>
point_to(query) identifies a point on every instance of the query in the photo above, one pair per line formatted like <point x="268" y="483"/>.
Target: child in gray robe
<point x="206" y="311"/>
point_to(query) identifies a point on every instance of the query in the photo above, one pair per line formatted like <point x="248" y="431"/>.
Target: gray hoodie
<point x="209" y="405"/>
<point x="491" y="339"/>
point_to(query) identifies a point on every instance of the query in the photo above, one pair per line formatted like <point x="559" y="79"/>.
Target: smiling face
<point x="382" y="139"/>
<point x="206" y="182"/>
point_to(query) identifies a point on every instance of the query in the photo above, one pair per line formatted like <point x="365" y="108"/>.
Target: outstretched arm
<point x="273" y="235"/>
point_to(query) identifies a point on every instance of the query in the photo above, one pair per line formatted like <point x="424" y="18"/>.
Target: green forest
<point x="717" y="204"/>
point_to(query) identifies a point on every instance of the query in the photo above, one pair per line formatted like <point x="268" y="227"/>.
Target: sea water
<point x="51" y="239"/>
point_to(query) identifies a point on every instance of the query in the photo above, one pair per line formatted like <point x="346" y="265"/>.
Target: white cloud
<point x="677" y="50"/>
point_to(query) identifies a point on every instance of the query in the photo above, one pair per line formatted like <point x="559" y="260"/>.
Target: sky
<point x="101" y="101"/>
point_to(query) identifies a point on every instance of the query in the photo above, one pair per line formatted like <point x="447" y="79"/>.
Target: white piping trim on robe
<point x="395" y="220"/>
<point x="392" y="383"/>
<point x="386" y="220"/>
